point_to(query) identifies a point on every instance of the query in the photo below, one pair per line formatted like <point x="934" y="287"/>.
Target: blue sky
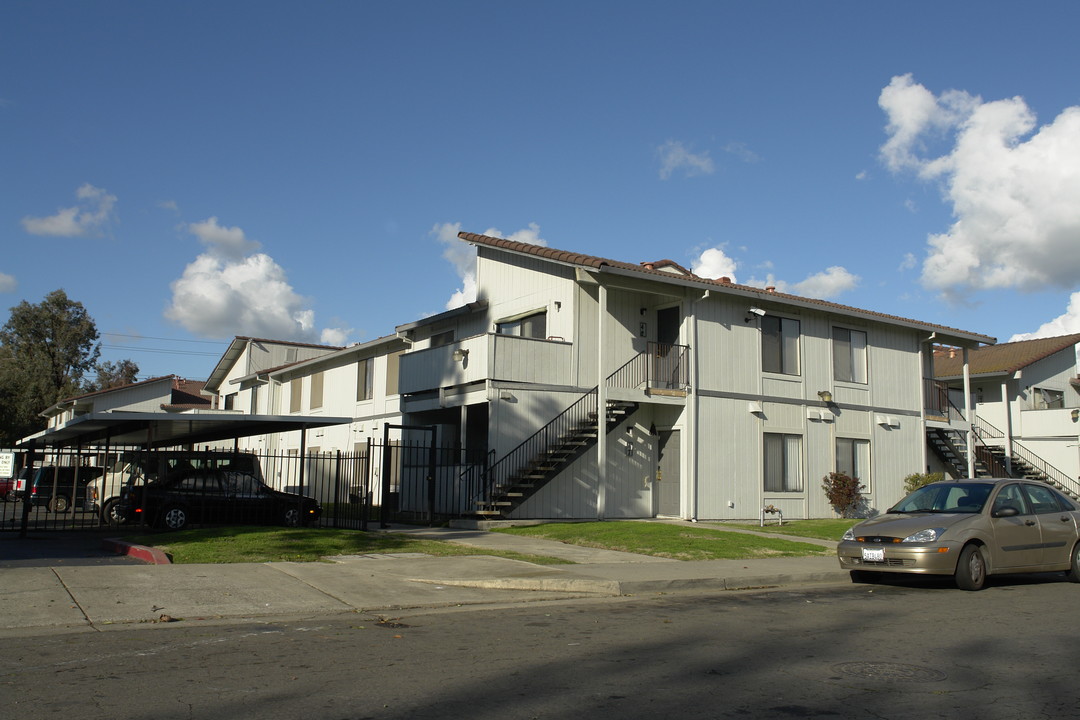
<point x="199" y="170"/>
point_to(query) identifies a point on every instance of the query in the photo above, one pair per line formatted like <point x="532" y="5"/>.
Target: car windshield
<point x="945" y="498"/>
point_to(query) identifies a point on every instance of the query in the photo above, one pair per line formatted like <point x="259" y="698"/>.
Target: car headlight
<point x="925" y="536"/>
<point x="849" y="534"/>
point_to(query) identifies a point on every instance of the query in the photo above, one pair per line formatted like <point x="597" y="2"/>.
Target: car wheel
<point x="59" y="504"/>
<point x="174" y="518"/>
<point x="1073" y="573"/>
<point x="971" y="569"/>
<point x="291" y="518"/>
<point x="111" y="515"/>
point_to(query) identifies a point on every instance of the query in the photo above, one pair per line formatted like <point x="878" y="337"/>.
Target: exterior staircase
<point x="991" y="459"/>
<point x="504" y="486"/>
<point x="523" y="471"/>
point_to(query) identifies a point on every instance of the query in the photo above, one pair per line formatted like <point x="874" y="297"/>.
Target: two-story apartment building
<point x="720" y="398"/>
<point x="169" y="393"/>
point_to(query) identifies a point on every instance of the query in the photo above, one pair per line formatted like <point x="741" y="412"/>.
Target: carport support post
<point x="365" y="509"/>
<point x="26" y="489"/>
<point x="384" y="507"/>
<point x="431" y="477"/>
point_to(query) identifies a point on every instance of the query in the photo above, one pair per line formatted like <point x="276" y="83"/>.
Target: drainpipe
<point x="969" y="417"/>
<point x="601" y="409"/>
<point x="692" y="408"/>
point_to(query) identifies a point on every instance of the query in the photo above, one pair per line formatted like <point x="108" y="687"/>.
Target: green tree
<point x="45" y="351"/>
<point x="113" y="374"/>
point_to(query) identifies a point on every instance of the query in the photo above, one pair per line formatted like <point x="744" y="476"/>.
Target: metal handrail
<point x="1036" y="463"/>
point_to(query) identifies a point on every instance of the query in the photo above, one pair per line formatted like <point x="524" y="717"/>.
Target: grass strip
<point x="268" y="544"/>
<point x="679" y="542"/>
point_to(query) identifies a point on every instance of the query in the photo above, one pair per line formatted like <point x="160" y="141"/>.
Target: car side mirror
<point x="1007" y="511"/>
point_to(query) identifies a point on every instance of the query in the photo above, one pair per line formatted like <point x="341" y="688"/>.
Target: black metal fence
<point x="131" y="488"/>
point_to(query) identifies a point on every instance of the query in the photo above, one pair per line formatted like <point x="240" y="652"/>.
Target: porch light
<point x="460" y="355"/>
<point x="1075" y="414"/>
<point x="825" y="395"/>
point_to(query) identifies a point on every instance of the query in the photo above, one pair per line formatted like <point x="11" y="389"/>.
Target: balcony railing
<point x="662" y="367"/>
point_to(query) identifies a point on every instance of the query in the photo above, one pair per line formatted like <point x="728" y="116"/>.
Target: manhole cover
<point x="898" y="672"/>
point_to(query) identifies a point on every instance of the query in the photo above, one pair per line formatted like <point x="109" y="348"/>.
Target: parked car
<point x="69" y="486"/>
<point x="969" y="529"/>
<point x="207" y="495"/>
<point x="7" y="486"/>
<point x="135" y="468"/>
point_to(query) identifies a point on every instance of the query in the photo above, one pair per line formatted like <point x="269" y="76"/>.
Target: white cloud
<point x="335" y="336"/>
<point x="1012" y="188"/>
<point x="94" y="210"/>
<point x="825" y="285"/>
<point x="675" y="156"/>
<point x="714" y="263"/>
<point x="463" y="257"/>
<point x="741" y="151"/>
<point x="225" y="241"/>
<point x="910" y="262"/>
<point x="1065" y="324"/>
<point x="8" y="283"/>
<point x="834" y="281"/>
<point x="225" y="292"/>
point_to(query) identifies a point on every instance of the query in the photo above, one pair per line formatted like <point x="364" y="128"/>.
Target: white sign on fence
<point x="7" y="464"/>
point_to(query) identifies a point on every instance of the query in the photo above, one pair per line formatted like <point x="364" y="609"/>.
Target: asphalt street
<point x="900" y="650"/>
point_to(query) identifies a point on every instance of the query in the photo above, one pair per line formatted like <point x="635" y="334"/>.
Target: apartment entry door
<point x="668" y="485"/>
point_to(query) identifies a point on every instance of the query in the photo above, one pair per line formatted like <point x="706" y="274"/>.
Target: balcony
<point x="486" y="357"/>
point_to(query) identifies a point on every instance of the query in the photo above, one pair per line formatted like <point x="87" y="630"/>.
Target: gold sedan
<point x="969" y="529"/>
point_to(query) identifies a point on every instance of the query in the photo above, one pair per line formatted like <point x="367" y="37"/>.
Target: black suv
<point x="55" y="487"/>
<point x="217" y="496"/>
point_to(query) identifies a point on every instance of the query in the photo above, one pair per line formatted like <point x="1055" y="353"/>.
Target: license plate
<point x="873" y="554"/>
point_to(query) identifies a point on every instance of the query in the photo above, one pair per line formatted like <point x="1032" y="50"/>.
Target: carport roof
<point x="155" y="429"/>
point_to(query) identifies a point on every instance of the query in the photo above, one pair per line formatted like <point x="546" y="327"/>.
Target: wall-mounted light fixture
<point x="752" y="312"/>
<point x="825" y="395"/>
<point x="1075" y="414"/>
<point x="460" y="355"/>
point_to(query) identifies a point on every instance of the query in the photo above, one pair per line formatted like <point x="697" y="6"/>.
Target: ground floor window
<point x="853" y="459"/>
<point x="783" y="463"/>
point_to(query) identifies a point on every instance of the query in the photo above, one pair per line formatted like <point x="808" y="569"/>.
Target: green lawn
<point x="680" y="542"/>
<point x="270" y="544"/>
<point x="677" y="541"/>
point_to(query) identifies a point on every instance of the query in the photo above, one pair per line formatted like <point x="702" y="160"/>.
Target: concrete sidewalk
<point x="62" y="595"/>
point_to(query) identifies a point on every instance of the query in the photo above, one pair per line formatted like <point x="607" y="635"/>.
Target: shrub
<point x="843" y="491"/>
<point x="917" y="480"/>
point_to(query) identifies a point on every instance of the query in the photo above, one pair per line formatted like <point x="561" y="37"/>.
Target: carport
<point x="155" y="430"/>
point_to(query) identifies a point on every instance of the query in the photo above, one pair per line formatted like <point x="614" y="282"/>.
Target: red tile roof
<point x="1005" y="358"/>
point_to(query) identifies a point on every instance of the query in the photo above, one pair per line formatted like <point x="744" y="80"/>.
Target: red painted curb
<point x="140" y="552"/>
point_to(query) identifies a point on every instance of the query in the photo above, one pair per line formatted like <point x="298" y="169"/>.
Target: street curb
<point x="599" y="586"/>
<point x="139" y="552"/>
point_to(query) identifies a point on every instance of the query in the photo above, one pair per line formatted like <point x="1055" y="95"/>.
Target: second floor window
<point x="296" y="394"/>
<point x="365" y="376"/>
<point x="531" y="326"/>
<point x="316" y="390"/>
<point x="849" y="355"/>
<point x="780" y="345"/>
<point x="1047" y="399"/>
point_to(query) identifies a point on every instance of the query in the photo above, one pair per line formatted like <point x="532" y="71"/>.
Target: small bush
<point x="917" y="480"/>
<point x="843" y="491"/>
